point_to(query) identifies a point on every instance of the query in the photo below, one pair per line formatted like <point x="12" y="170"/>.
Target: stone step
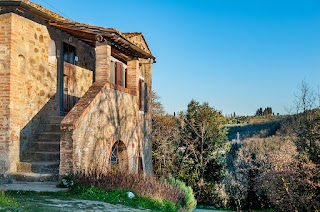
<point x="49" y="136"/>
<point x="33" y="177"/>
<point x="47" y="146"/>
<point x="50" y="128"/>
<point x="39" y="167"/>
<point x="45" y="167"/>
<point x="52" y="119"/>
<point x="38" y="156"/>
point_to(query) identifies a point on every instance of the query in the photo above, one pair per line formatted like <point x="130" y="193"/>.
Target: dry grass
<point x="145" y="186"/>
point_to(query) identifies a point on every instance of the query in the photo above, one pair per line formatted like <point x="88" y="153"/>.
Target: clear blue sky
<point x="238" y="55"/>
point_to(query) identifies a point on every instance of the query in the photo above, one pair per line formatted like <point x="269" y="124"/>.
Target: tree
<point x="305" y="98"/>
<point x="157" y="108"/>
<point x="165" y="135"/>
<point x="259" y="112"/>
<point x="267" y="111"/>
<point x="165" y="140"/>
<point x="191" y="147"/>
<point x="202" y="149"/>
<point x="307" y="123"/>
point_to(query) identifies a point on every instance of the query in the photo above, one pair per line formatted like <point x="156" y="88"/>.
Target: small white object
<point x="130" y="195"/>
<point x="76" y="58"/>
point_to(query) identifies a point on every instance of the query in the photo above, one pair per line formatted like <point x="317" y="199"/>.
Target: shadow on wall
<point x="111" y="120"/>
<point x="35" y="125"/>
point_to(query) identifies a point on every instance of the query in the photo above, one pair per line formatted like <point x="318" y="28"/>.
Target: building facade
<point x="72" y="96"/>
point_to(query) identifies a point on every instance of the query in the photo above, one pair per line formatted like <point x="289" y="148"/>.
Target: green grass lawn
<point x="29" y="201"/>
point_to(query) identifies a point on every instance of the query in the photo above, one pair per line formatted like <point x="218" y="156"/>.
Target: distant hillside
<point x="250" y="126"/>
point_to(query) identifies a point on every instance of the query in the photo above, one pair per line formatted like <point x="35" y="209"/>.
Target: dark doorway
<point x="69" y="78"/>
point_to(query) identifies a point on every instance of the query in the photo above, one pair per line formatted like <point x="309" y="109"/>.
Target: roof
<point x="131" y="43"/>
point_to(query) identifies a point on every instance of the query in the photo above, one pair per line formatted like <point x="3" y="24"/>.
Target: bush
<point x="267" y="173"/>
<point x="145" y="186"/>
<point x="211" y="194"/>
<point x="188" y="202"/>
<point x="294" y="189"/>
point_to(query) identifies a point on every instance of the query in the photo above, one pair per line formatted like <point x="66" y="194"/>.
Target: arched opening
<point x="52" y="52"/>
<point x="119" y="156"/>
<point x="22" y="64"/>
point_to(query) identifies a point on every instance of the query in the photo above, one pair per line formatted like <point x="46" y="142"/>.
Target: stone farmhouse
<point x="72" y="96"/>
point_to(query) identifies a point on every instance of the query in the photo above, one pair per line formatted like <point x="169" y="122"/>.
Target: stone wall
<point x="34" y="86"/>
<point x="33" y="83"/>
<point x="105" y="115"/>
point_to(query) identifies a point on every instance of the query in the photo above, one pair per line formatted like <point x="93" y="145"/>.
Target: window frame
<point x="115" y="77"/>
<point x="69" y="49"/>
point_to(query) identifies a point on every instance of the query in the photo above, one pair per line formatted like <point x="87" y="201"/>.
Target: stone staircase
<point x="42" y="159"/>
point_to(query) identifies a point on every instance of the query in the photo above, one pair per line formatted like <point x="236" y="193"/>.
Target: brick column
<point x="103" y="60"/>
<point x="133" y="75"/>
<point x="5" y="66"/>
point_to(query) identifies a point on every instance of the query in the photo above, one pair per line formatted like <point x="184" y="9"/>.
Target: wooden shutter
<point x="145" y="97"/>
<point x="119" y="74"/>
<point x="125" y="78"/>
<point x="140" y="94"/>
<point x="113" y="72"/>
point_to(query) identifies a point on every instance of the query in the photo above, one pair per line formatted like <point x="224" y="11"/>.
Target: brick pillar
<point x="103" y="60"/>
<point x="5" y="66"/>
<point x="133" y="75"/>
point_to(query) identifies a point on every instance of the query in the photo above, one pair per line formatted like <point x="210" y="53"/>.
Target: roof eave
<point x="55" y="22"/>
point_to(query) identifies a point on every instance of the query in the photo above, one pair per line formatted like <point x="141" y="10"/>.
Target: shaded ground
<point x="49" y="204"/>
<point x="37" y="203"/>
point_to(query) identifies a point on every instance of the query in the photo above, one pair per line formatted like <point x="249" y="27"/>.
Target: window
<point x="118" y="74"/>
<point x="140" y="165"/>
<point x="143" y="96"/>
<point x="114" y="155"/>
<point x="119" y="156"/>
<point x="69" y="53"/>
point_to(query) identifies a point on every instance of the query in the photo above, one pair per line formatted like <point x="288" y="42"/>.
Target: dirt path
<point x="78" y="205"/>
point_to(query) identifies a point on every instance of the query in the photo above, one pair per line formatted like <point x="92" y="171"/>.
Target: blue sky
<point x="238" y="55"/>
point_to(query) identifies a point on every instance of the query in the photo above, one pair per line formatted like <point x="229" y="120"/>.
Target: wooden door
<point x="69" y="87"/>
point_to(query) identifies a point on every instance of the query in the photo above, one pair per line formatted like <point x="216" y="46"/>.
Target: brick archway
<point x="119" y="156"/>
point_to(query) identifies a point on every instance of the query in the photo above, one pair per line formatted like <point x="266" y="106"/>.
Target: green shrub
<point x="188" y="203"/>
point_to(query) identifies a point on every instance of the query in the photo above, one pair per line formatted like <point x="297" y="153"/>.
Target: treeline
<point x="264" y="112"/>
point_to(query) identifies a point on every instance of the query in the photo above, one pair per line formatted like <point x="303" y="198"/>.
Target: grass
<point x="120" y="197"/>
<point x="7" y="202"/>
<point x="29" y="201"/>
